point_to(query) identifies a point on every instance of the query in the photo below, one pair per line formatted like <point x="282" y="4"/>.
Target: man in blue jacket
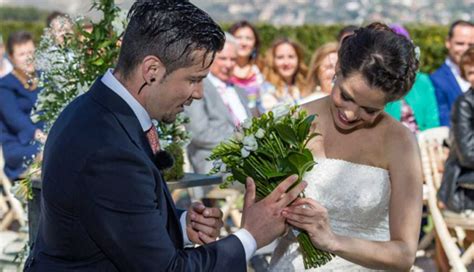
<point x="105" y="205"/>
<point x="447" y="80"/>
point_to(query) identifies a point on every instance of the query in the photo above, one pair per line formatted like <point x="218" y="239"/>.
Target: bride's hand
<point x="309" y="215"/>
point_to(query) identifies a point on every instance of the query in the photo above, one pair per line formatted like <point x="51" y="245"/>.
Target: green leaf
<point x="98" y="62"/>
<point x="311" y="137"/>
<point x="304" y="127"/>
<point x="287" y="134"/>
<point x="308" y="154"/>
<point x="306" y="167"/>
<point x="300" y="162"/>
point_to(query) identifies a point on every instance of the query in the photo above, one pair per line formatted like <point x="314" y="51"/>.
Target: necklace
<point x="29" y="81"/>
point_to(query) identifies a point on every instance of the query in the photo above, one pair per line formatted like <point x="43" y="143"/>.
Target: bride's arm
<point x="404" y="215"/>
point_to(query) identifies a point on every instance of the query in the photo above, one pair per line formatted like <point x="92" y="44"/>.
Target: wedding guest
<point x="223" y="107"/>
<point x="364" y="196"/>
<point x="447" y="80"/>
<point x="19" y="90"/>
<point x="5" y="66"/>
<point x="60" y="25"/>
<point x="321" y="71"/>
<point x="105" y="205"/>
<point x="285" y="70"/>
<point x="246" y="73"/>
<point x="418" y="110"/>
<point x="459" y="167"/>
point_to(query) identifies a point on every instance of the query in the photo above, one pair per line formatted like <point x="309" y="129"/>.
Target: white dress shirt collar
<point x="143" y="117"/>
<point x="463" y="84"/>
<point x="216" y="81"/>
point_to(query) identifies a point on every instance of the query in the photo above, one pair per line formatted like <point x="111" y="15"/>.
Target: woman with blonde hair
<point x="321" y="71"/>
<point x="285" y="70"/>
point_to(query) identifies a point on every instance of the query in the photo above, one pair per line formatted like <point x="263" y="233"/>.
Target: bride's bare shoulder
<point x="396" y="135"/>
<point x="316" y="106"/>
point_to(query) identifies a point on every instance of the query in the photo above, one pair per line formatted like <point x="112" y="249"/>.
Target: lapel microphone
<point x="163" y="160"/>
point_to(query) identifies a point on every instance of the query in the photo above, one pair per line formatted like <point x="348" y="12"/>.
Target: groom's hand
<point x="203" y="224"/>
<point x="264" y="219"/>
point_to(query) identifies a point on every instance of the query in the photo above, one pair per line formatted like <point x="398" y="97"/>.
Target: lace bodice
<point x="357" y="198"/>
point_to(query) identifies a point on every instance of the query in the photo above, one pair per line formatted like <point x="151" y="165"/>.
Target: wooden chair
<point x="450" y="227"/>
<point x="10" y="207"/>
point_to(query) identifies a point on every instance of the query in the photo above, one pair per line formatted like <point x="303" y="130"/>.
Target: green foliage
<point x="269" y="149"/>
<point x="99" y="47"/>
<point x="176" y="172"/>
<point x="431" y="41"/>
<point x="430" y="38"/>
<point x="8" y="27"/>
<point x="70" y="68"/>
<point x="25" y="14"/>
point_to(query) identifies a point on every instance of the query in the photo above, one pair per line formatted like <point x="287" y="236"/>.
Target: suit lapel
<point x="452" y="82"/>
<point x="127" y="119"/>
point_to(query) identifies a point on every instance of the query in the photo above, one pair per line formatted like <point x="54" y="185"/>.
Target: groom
<point x="105" y="204"/>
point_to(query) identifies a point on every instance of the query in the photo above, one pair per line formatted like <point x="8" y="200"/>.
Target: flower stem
<point x="312" y="257"/>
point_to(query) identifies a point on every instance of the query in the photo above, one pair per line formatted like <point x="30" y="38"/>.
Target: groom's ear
<point x="152" y="69"/>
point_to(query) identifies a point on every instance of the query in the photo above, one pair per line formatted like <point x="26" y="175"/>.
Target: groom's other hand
<point x="263" y="219"/>
<point x="203" y="224"/>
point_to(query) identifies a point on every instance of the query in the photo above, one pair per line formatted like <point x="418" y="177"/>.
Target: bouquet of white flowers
<point x="269" y="149"/>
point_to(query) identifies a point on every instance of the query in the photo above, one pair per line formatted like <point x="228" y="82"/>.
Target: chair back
<point x="433" y="154"/>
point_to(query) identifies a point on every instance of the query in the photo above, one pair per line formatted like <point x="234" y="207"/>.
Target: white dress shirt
<point x="463" y="84"/>
<point x="109" y="80"/>
<point x="230" y="98"/>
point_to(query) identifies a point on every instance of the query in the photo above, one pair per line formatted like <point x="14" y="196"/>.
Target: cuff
<point x="182" y="220"/>
<point x="248" y="242"/>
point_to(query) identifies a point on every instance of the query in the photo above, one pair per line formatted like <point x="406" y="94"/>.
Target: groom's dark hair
<point x="170" y="30"/>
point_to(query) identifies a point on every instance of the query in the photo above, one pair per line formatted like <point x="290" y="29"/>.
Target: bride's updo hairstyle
<point x="385" y="59"/>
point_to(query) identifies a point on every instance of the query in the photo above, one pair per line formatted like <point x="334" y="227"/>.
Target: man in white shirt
<point x="447" y="80"/>
<point x="105" y="205"/>
<point x="222" y="108"/>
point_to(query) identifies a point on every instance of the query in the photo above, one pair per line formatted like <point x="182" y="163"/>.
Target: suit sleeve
<point x="442" y="100"/>
<point x="206" y="131"/>
<point x="16" y="119"/>
<point x="463" y="132"/>
<point x="121" y="213"/>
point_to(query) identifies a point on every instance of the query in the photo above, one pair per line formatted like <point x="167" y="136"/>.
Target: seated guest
<point x="418" y="110"/>
<point x="285" y="70"/>
<point x="457" y="186"/>
<point x="222" y="108"/>
<point x="246" y="73"/>
<point x="321" y="71"/>
<point x="447" y="80"/>
<point x="18" y="93"/>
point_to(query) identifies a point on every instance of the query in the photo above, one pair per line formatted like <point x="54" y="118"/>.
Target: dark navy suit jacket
<point x="106" y="206"/>
<point x="447" y="91"/>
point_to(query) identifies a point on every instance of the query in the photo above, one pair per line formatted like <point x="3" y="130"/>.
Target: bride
<point x="365" y="194"/>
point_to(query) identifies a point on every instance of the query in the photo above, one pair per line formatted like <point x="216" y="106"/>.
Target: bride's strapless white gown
<point x="357" y="198"/>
